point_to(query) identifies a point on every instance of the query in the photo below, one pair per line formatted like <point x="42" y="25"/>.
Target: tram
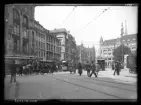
<point x="101" y="62"/>
<point x="64" y="66"/>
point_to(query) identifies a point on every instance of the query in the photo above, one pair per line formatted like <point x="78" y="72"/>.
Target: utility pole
<point x="122" y="32"/>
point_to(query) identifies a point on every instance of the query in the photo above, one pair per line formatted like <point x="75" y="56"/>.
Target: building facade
<point x="62" y="35"/>
<point x="68" y="45"/>
<point x="107" y="47"/>
<point x="17" y="29"/>
<point x="86" y="54"/>
<point x="26" y="37"/>
<point x="72" y="56"/>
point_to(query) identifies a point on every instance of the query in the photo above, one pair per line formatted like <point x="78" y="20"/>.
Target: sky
<point x="107" y="25"/>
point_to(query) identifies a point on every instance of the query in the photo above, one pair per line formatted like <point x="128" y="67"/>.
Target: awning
<point x="18" y="57"/>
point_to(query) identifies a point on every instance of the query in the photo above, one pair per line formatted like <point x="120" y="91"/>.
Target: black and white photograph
<point x="70" y="51"/>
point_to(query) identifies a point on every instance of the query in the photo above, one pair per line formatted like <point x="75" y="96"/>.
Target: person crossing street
<point x="117" y="68"/>
<point x="88" y="68"/>
<point x="79" y="69"/>
<point x="97" y="68"/>
<point x="93" y="66"/>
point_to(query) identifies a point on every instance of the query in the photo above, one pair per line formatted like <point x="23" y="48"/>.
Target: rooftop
<point x="58" y="30"/>
<point x="110" y="42"/>
<point x="131" y="36"/>
<point x="125" y="37"/>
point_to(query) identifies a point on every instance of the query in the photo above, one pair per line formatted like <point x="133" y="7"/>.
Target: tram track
<point x="112" y="81"/>
<point x="109" y="81"/>
<point x="77" y="84"/>
<point x="104" y="84"/>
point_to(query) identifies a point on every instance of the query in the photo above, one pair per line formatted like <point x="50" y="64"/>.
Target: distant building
<point x="86" y="54"/>
<point x="62" y="35"/>
<point x="68" y="44"/>
<point x="107" y="47"/>
<point x="72" y="56"/>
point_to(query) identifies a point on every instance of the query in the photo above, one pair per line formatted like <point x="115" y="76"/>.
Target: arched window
<point x="16" y="14"/>
<point x="25" y="19"/>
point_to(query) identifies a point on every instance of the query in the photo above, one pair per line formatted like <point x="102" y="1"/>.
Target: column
<point x="21" y="35"/>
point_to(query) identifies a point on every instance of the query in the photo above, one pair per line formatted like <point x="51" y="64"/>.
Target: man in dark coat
<point x="21" y="69"/>
<point x="93" y="66"/>
<point x="80" y="69"/>
<point x="13" y="71"/>
<point x="117" y="68"/>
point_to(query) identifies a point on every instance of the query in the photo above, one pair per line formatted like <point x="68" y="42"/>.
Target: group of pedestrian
<point x="92" y="68"/>
<point x="30" y="67"/>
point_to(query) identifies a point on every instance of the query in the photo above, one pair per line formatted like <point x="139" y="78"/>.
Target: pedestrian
<point x="97" y="68"/>
<point x="88" y="68"/>
<point x="113" y="66"/>
<point x="80" y="69"/>
<point x="117" y="68"/>
<point x="20" y="69"/>
<point x="13" y="71"/>
<point x="93" y="67"/>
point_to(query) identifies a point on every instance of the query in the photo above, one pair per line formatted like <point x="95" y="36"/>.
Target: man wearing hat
<point x="117" y="67"/>
<point x="93" y="66"/>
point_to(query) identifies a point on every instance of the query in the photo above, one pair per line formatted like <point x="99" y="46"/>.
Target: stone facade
<point x="107" y="47"/>
<point x="26" y="37"/>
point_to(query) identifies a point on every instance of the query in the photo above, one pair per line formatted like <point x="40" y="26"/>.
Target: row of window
<point x="40" y="44"/>
<point x="41" y="53"/>
<point x="17" y="47"/>
<point x="49" y="47"/>
<point x="53" y="48"/>
<point x="17" y="17"/>
<point x="52" y="40"/>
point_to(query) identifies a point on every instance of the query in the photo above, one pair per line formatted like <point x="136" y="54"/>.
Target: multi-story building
<point x="26" y="37"/>
<point x="86" y="54"/>
<point x="62" y="35"/>
<point x="39" y="40"/>
<point x="107" y="47"/>
<point x="53" y="45"/>
<point x="17" y="29"/>
<point x="72" y="49"/>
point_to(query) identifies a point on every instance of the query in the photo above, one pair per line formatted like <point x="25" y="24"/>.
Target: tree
<point x="120" y="51"/>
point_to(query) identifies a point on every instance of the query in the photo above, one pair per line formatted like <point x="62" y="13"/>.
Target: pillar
<point x="21" y="35"/>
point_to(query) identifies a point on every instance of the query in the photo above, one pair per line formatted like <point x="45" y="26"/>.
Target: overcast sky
<point x="108" y="25"/>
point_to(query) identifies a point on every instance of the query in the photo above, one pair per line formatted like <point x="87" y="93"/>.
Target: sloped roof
<point x="58" y="30"/>
<point x="126" y="37"/>
<point x="110" y="42"/>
